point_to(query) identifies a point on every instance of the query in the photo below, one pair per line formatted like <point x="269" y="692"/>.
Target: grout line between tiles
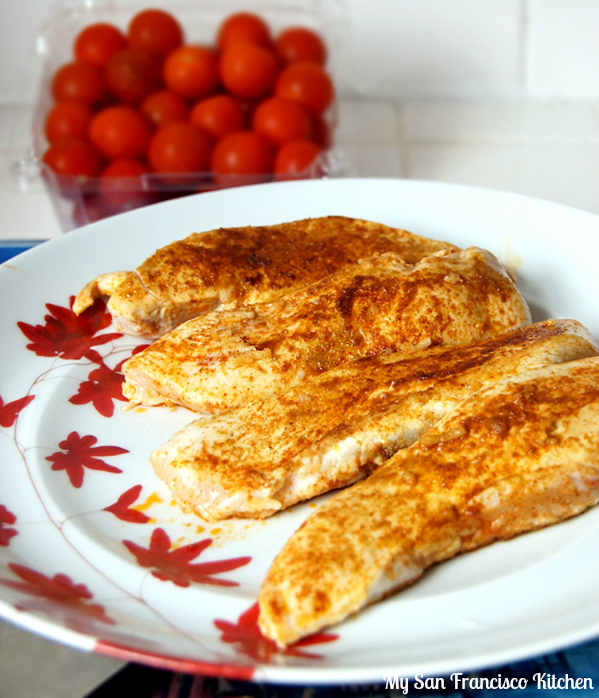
<point x="506" y="141"/>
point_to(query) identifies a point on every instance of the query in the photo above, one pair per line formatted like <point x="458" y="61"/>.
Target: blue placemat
<point x="11" y="248"/>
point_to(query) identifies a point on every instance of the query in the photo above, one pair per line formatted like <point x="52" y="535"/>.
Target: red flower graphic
<point x="174" y="565"/>
<point x="252" y="642"/>
<point x="6" y="518"/>
<point x="10" y="411"/>
<point x="70" y="336"/>
<point x="102" y="387"/>
<point x="121" y="508"/>
<point x="57" y="596"/>
<point x="78" y="453"/>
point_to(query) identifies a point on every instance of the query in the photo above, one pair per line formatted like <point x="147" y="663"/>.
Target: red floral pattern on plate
<point x="10" y="411"/>
<point x="6" y="519"/>
<point x="57" y="596"/>
<point x="253" y="643"/>
<point x="69" y="336"/>
<point x="122" y="507"/>
<point x="102" y="387"/>
<point x="78" y="453"/>
<point x="175" y="565"/>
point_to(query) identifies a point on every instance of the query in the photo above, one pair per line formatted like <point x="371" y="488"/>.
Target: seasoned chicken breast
<point x="227" y="359"/>
<point x="333" y="429"/>
<point x="229" y="267"/>
<point x="515" y="456"/>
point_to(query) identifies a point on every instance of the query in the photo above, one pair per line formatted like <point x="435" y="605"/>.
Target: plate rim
<point x="262" y="672"/>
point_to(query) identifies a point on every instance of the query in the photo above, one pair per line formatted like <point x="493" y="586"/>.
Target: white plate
<point x="74" y="571"/>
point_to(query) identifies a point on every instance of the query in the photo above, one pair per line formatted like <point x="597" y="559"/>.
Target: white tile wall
<point x="502" y="122"/>
<point x="544" y="149"/>
<point x="397" y="49"/>
<point x="19" y="25"/>
<point x="424" y="48"/>
<point x="562" y="56"/>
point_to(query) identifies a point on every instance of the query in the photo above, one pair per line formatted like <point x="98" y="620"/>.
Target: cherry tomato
<point x="294" y="159"/>
<point x="191" y="71"/>
<point x="89" y="208"/>
<point x="321" y="132"/>
<point x="125" y="167"/>
<point x="180" y="147"/>
<point x="307" y="84"/>
<point x="79" y="81"/>
<point x="248" y="70"/>
<point x="296" y="44"/>
<point x="132" y="74"/>
<point x="67" y="120"/>
<point x="121" y="186"/>
<point x="73" y="156"/>
<point x="218" y="115"/>
<point x="156" y="31"/>
<point x="97" y="42"/>
<point x="281" y="120"/>
<point x="243" y="26"/>
<point x="120" y="132"/>
<point x="242" y="153"/>
<point x="164" y="107"/>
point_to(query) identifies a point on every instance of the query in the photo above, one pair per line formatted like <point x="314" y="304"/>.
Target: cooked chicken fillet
<point x="272" y="453"/>
<point x="103" y="285"/>
<point x="229" y="267"/>
<point x="515" y="456"/>
<point x="227" y="359"/>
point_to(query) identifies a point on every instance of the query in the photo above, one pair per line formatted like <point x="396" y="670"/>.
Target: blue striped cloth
<point x="10" y="248"/>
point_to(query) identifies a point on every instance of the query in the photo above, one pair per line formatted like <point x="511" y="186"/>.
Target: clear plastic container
<point x="77" y="200"/>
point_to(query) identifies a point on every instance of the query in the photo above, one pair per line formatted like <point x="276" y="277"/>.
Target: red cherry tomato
<point x="281" y="120"/>
<point x="79" y="81"/>
<point x="97" y="42"/>
<point x="67" y="120"/>
<point x="248" y="70"/>
<point x="242" y="153"/>
<point x="73" y="156"/>
<point x="218" y="115"/>
<point x="243" y="26"/>
<point x="89" y="208"/>
<point x="180" y="147"/>
<point x="307" y="84"/>
<point x="164" y="107"/>
<point x="121" y="185"/>
<point x="191" y="71"/>
<point x="125" y="167"/>
<point x="321" y="131"/>
<point x="295" y="158"/>
<point x="120" y="132"/>
<point x="296" y="44"/>
<point x="132" y="74"/>
<point x="156" y="31"/>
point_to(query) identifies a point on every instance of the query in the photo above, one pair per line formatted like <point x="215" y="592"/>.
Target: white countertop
<point x="544" y="149"/>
